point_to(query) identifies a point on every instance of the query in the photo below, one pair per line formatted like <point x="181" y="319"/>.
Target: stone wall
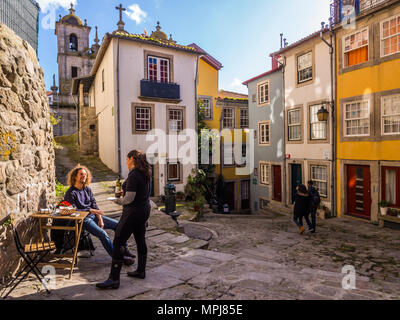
<point x="27" y="169"/>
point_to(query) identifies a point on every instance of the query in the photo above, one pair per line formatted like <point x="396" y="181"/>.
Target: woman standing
<point x="301" y="202"/>
<point x="135" y="213"/>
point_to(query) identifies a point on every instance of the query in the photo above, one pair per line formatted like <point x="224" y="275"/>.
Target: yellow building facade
<point x="231" y="109"/>
<point x="368" y="112"/>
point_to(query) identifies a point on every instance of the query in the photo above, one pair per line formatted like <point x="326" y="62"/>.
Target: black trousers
<point x="133" y="221"/>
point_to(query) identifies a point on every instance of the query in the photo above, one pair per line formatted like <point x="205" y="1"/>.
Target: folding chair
<point x="32" y="254"/>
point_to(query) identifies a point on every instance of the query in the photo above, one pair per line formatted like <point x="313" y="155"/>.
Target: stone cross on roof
<point x="120" y="22"/>
<point x="72" y="10"/>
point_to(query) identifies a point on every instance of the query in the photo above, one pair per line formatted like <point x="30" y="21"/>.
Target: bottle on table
<point x="118" y="188"/>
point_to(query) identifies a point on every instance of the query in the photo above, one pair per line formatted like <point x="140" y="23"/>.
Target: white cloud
<point x="236" y="83"/>
<point x="45" y="5"/>
<point x="135" y="13"/>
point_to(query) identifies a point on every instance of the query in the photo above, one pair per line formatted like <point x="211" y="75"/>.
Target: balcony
<point x="342" y="8"/>
<point x="159" y="91"/>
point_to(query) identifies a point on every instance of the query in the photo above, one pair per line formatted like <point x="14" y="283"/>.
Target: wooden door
<point x="277" y="192"/>
<point x="230" y="189"/>
<point x="297" y="179"/>
<point x="245" y="194"/>
<point x="359" y="191"/>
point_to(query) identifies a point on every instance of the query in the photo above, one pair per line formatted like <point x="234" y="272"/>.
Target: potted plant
<point x="384" y="207"/>
<point x="199" y="203"/>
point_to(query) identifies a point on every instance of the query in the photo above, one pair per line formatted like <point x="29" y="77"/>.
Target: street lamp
<point x="323" y="114"/>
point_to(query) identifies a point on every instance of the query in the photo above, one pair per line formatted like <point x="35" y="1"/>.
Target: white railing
<point x="368" y="4"/>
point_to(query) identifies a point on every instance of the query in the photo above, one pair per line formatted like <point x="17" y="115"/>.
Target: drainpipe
<point x="195" y="108"/>
<point x="118" y="114"/>
<point x="333" y="116"/>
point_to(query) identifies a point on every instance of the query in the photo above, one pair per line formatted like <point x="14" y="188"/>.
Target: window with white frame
<point x="175" y="120"/>
<point x="244" y="118"/>
<point x="143" y="119"/>
<point x="390" y="36"/>
<point x="158" y="69"/>
<point x="229" y="118"/>
<point x="294" y="124"/>
<point x="264" y="133"/>
<point x="263" y="93"/>
<point x="265" y="173"/>
<point x="317" y="128"/>
<point x="356" y="119"/>
<point x="319" y="175"/>
<point x="173" y="171"/>
<point x="207" y="107"/>
<point x="391" y="114"/>
<point x="304" y="67"/>
<point x="356" y="48"/>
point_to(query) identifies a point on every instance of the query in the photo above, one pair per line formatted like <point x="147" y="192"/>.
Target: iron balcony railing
<point x="162" y="90"/>
<point x="342" y="8"/>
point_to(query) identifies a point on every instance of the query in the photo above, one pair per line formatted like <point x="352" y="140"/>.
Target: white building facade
<point x="144" y="92"/>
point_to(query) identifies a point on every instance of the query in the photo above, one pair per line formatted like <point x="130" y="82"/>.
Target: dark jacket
<point x="301" y="204"/>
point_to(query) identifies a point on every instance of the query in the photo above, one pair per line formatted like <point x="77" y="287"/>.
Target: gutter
<point x="195" y="108"/>
<point x="333" y="116"/>
<point x="118" y="114"/>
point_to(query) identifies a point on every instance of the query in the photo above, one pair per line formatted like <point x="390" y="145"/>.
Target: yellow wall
<point x="372" y="79"/>
<point x="208" y="86"/>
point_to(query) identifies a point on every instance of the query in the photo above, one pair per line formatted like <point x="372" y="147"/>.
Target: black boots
<point x="140" y="272"/>
<point x="113" y="279"/>
<point x="129" y="254"/>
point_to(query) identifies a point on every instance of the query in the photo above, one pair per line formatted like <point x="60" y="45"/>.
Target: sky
<point x="239" y="33"/>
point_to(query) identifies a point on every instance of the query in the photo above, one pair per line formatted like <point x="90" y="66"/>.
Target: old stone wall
<point x="27" y="169"/>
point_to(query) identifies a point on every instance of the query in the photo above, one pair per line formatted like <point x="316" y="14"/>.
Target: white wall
<point x="105" y="103"/>
<point x="131" y="73"/>
<point x="320" y="89"/>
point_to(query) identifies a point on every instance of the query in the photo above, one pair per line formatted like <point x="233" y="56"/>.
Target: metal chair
<point x="32" y="254"/>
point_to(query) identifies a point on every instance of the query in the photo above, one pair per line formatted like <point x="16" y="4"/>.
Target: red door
<point x="359" y="191"/>
<point x="277" y="192"/>
<point x="230" y="189"/>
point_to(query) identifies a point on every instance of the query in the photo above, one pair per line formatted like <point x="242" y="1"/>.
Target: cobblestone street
<point x="234" y="257"/>
<point x="238" y="258"/>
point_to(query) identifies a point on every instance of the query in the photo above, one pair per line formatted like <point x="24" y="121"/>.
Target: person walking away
<point x="135" y="213"/>
<point x="315" y="200"/>
<point x="301" y="204"/>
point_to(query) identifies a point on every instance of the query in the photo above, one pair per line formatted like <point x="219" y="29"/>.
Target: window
<point x="319" y="175"/>
<point x="229" y="118"/>
<point x="244" y="118"/>
<point x="391" y="115"/>
<point x="229" y="155"/>
<point x="175" y="120"/>
<point x="265" y="173"/>
<point x="102" y="80"/>
<point x="317" y="128"/>
<point x="207" y="108"/>
<point x="391" y="185"/>
<point x="390" y="36"/>
<point x="74" y="72"/>
<point x="356" y="48"/>
<point x="264" y="133"/>
<point x="244" y="155"/>
<point x="356" y="122"/>
<point x="294" y="123"/>
<point x="143" y="119"/>
<point x="304" y="68"/>
<point x="173" y="171"/>
<point x="73" y="42"/>
<point x="158" y="69"/>
<point x="263" y="93"/>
